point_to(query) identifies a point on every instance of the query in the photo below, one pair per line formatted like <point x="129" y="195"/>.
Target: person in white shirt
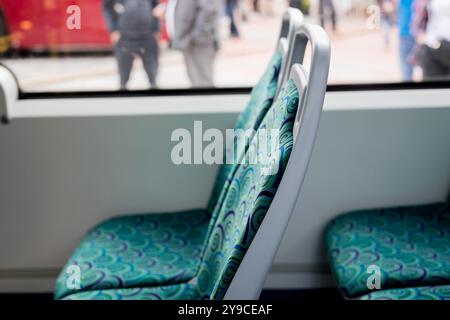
<point x="435" y="58"/>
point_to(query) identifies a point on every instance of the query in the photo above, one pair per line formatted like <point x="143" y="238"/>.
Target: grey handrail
<point x="292" y="20"/>
<point x="313" y="92"/>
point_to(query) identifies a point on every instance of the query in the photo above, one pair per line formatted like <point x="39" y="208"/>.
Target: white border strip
<point x="388" y="99"/>
<point x="127" y="106"/>
<point x="173" y="105"/>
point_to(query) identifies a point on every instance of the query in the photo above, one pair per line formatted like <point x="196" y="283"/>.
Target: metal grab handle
<point x="310" y="84"/>
<point x="292" y="20"/>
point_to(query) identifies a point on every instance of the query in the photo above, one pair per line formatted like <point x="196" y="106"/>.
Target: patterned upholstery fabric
<point x="100" y="255"/>
<point x="238" y="219"/>
<point x="248" y="198"/>
<point x="139" y="251"/>
<point x="410" y="245"/>
<point x="420" y="293"/>
<point x="184" y="291"/>
<point x="261" y="99"/>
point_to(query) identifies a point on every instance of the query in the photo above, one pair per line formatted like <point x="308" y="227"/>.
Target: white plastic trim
<point x="252" y="272"/>
<point x="9" y="92"/>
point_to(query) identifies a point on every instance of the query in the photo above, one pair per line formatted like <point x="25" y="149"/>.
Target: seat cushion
<point x="138" y="251"/>
<point x="184" y="291"/>
<point x="409" y="245"/>
<point x="419" y="293"/>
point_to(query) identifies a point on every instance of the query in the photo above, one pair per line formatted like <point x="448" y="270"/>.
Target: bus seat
<point x="419" y="293"/>
<point x="138" y="251"/>
<point x="409" y="246"/>
<point x="245" y="203"/>
<point x="100" y="256"/>
<point x="242" y="240"/>
<point x="262" y="96"/>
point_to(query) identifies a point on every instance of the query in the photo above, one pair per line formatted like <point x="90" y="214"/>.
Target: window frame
<point x="393" y="86"/>
<point x="357" y="87"/>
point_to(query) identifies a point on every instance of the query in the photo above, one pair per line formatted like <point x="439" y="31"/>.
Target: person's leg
<point x="200" y="65"/>
<point x="188" y="56"/>
<point x="322" y="12"/>
<point x="150" y="60"/>
<point x="124" y="57"/>
<point x="204" y="60"/>
<point x="234" y="29"/>
<point x="332" y="10"/>
<point x="386" y="29"/>
<point x="256" y="4"/>
<point x="432" y="68"/>
<point x="442" y="54"/>
<point x="243" y="8"/>
<point x="406" y="46"/>
<point x="230" y="9"/>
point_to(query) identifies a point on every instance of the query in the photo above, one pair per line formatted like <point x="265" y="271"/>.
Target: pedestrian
<point x="432" y="28"/>
<point x="133" y="31"/>
<point x="387" y="16"/>
<point x="193" y="27"/>
<point x="230" y="10"/>
<point x="327" y="9"/>
<point x="406" y="38"/>
<point x="257" y="5"/>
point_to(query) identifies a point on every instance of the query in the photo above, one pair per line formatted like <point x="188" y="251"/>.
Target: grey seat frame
<point x="292" y="20"/>
<point x="249" y="279"/>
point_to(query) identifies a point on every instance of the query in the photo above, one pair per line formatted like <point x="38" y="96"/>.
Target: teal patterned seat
<point x="137" y="251"/>
<point x="244" y="206"/>
<point x="419" y="293"/>
<point x="106" y="254"/>
<point x="184" y="291"/>
<point x="189" y="293"/>
<point x="409" y="245"/>
<point x="261" y="99"/>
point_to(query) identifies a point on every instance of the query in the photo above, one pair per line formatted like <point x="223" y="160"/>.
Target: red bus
<point x="41" y="25"/>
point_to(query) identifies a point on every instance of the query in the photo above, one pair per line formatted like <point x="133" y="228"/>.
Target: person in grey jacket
<point x="133" y="30"/>
<point x="193" y="27"/>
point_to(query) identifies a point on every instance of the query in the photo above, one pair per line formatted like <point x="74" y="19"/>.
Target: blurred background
<point x="66" y="45"/>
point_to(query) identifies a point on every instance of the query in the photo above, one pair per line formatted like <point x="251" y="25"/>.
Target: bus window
<point x="101" y="45"/>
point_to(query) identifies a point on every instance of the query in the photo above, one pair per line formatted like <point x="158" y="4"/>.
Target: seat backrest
<point x="261" y="99"/>
<point x="261" y="197"/>
<point x="249" y="196"/>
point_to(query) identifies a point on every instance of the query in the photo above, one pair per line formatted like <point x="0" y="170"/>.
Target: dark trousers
<point x="436" y="62"/>
<point x="256" y="5"/>
<point x="323" y="6"/>
<point x="230" y="7"/>
<point x="406" y="48"/>
<point x="145" y="49"/>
